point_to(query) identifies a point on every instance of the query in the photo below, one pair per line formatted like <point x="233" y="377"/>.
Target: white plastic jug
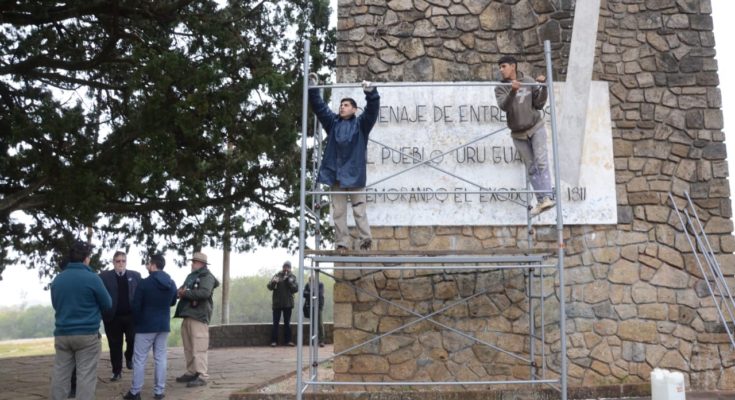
<point x="667" y="385"/>
<point x="675" y="389"/>
<point x="658" y="384"/>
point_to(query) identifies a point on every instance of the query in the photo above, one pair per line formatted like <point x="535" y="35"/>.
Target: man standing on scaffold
<point x="521" y="105"/>
<point x="344" y="161"/>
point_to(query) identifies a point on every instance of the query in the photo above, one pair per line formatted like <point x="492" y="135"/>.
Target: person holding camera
<point x="283" y="285"/>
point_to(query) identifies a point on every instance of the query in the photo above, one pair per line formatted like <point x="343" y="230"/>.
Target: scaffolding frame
<point x="528" y="260"/>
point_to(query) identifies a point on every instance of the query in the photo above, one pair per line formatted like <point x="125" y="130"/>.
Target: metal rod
<point x="447" y="327"/>
<point x="488" y="191"/>
<point x="559" y="218"/>
<point x="716" y="263"/>
<point x="429" y="259"/>
<point x="456" y="268"/>
<point x="419" y="84"/>
<point x="429" y="383"/>
<point x="302" y="220"/>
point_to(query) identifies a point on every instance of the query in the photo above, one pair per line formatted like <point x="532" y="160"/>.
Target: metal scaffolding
<point x="534" y="264"/>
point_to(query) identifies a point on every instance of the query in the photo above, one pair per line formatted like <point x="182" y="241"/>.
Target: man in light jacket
<point x="521" y="105"/>
<point x="195" y="307"/>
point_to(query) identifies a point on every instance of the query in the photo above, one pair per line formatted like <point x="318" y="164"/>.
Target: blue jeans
<point x="143" y="344"/>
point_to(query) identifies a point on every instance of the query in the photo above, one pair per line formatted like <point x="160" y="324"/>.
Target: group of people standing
<point x="135" y="311"/>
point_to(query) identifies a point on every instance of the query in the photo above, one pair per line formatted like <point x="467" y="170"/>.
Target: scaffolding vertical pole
<point x="302" y="221"/>
<point x="559" y="222"/>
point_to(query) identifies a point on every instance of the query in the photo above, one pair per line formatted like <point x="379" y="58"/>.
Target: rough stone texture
<point x="635" y="297"/>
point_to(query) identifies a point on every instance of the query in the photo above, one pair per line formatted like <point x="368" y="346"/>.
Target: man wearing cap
<point x="521" y="105"/>
<point x="152" y="313"/>
<point x="195" y="307"/>
<point x="283" y="285"/>
<point x="344" y="164"/>
<point x="79" y="298"/>
<point x="120" y="284"/>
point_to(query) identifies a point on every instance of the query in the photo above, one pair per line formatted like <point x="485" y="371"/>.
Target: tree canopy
<point x="148" y="121"/>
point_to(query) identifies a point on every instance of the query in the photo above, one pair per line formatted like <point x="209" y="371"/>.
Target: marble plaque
<point x="434" y="149"/>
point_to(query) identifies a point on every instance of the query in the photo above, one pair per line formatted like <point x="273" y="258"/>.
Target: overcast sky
<point x="23" y="286"/>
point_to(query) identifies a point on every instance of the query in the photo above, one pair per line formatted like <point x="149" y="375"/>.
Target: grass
<point x="32" y="347"/>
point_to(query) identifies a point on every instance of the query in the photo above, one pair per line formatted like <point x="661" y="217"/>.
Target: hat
<point x="507" y="60"/>
<point x="158" y="260"/>
<point x="199" y="256"/>
<point x="81" y="248"/>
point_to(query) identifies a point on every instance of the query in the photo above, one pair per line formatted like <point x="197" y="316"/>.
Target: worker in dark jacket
<point x="344" y="164"/>
<point x="152" y="314"/>
<point x="195" y="307"/>
<point x="79" y="298"/>
<point x="283" y="285"/>
<point x="120" y="284"/>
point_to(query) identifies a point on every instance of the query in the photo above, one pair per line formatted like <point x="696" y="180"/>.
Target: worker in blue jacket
<point x="344" y="163"/>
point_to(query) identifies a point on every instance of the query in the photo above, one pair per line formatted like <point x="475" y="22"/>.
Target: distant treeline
<point x="250" y="301"/>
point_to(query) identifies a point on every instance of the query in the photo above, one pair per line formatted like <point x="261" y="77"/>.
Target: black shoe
<point x="116" y="377"/>
<point x="72" y="394"/>
<point x="366" y="244"/>
<point x="130" y="396"/>
<point x="129" y="364"/>
<point x="197" y="382"/>
<point x="186" y="378"/>
<point x="159" y="396"/>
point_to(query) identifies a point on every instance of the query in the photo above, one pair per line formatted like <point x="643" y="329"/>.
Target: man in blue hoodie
<point x="152" y="315"/>
<point x="344" y="164"/>
<point x="79" y="298"/>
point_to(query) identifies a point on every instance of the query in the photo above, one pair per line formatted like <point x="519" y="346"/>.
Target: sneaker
<point x="158" y="396"/>
<point x="545" y="204"/>
<point x="186" y="378"/>
<point x="197" y="382"/>
<point x="366" y="244"/>
<point x="274" y="344"/>
<point x="116" y="377"/>
<point x="130" y="396"/>
<point x="292" y="344"/>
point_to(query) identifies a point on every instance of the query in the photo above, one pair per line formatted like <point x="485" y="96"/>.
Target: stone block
<point x="638" y="331"/>
<point x="670" y="277"/>
<point x="623" y="271"/>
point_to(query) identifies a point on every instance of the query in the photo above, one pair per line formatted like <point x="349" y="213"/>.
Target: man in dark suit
<point x="121" y="284"/>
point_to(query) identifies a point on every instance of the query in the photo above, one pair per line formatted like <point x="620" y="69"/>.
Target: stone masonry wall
<point x="635" y="298"/>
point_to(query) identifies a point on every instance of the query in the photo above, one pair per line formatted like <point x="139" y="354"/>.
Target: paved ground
<point x="230" y="369"/>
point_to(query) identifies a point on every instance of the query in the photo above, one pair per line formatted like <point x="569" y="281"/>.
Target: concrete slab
<point x="231" y="369"/>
